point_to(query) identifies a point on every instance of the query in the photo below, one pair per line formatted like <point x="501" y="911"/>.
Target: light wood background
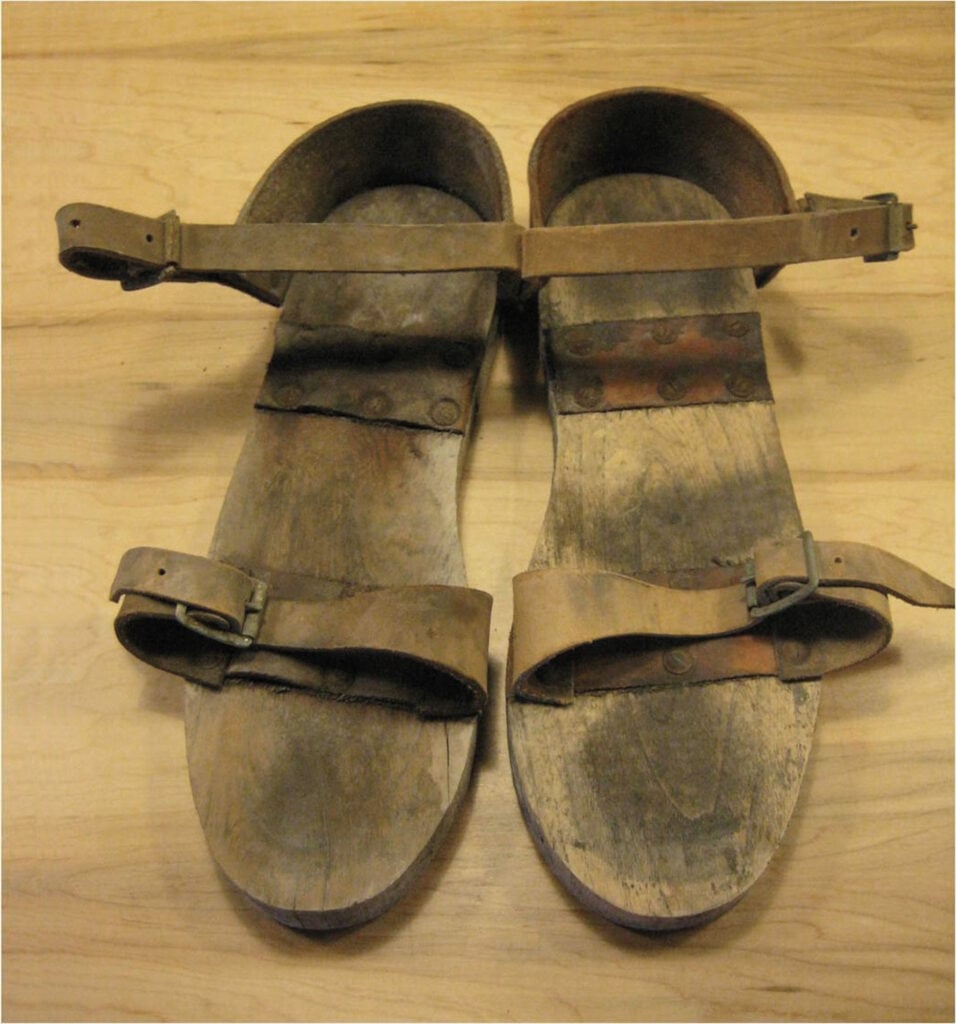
<point x="123" y="415"/>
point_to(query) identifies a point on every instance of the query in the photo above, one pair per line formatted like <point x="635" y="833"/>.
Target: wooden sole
<point x="325" y="811"/>
<point x="659" y="806"/>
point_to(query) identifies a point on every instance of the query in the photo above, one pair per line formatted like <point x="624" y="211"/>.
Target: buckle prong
<point x="801" y="593"/>
<point x="246" y="636"/>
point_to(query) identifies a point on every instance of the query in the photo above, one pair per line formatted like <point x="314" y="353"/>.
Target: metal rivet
<point x="375" y="403"/>
<point x="735" y="328"/>
<point x="289" y="396"/>
<point x="445" y="412"/>
<point x="458" y="355"/>
<point x="581" y="346"/>
<point x="672" y="389"/>
<point x="678" y="661"/>
<point x="589" y="395"/>
<point x="795" y="651"/>
<point x="740" y="384"/>
<point x="664" y="334"/>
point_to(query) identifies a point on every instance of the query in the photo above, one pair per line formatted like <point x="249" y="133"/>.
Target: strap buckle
<point x="759" y="610"/>
<point x="245" y="637"/>
<point x="896" y="226"/>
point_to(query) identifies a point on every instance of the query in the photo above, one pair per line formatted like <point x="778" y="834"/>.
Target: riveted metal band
<point x="420" y="381"/>
<point x="691" y="360"/>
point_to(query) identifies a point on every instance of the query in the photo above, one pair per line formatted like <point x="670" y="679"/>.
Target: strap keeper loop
<point x="172" y="238"/>
<point x="171" y="227"/>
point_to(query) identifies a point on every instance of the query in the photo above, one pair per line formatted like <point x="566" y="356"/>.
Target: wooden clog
<point x="671" y="632"/>
<point x="335" y="660"/>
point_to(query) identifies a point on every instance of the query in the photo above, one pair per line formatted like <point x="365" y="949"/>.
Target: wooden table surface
<point x="123" y="416"/>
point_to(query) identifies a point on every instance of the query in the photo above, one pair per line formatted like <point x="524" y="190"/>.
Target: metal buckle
<point x="895" y="227"/>
<point x="762" y="611"/>
<point x="246" y="636"/>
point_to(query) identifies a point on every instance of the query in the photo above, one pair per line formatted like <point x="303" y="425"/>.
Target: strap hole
<point x="160" y="572"/>
<point x="149" y="238"/>
<point x="854" y="232"/>
<point x="838" y="560"/>
<point x="74" y="223"/>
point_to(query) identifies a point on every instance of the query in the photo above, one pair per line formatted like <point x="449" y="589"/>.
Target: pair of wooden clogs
<point x="671" y="633"/>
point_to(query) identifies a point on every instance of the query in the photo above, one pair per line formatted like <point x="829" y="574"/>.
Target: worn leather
<point x="443" y="630"/>
<point x="101" y="242"/>
<point x="217" y="590"/>
<point x="560" y="611"/>
<point x="830" y="229"/>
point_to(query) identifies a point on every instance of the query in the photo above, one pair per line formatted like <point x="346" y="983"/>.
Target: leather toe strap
<point x="213" y="624"/>
<point x="797" y="610"/>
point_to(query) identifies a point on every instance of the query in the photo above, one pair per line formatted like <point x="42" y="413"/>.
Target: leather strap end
<point x="895" y="219"/>
<point x="201" y="585"/>
<point x="108" y="244"/>
<point x="782" y="566"/>
<point x="149" y="630"/>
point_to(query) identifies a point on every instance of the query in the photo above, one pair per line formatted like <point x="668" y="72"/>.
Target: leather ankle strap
<point x="826" y="228"/>
<point x="101" y="242"/>
<point x="98" y="241"/>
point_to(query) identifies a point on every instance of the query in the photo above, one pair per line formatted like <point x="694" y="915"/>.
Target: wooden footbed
<point x="325" y="811"/>
<point x="660" y="807"/>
